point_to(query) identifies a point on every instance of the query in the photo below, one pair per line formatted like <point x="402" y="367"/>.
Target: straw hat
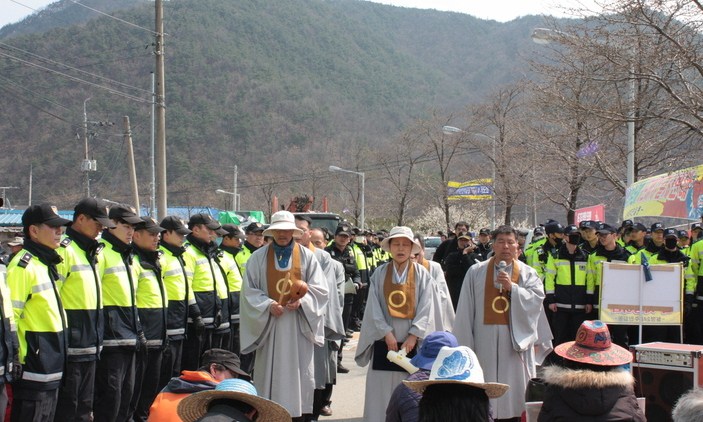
<point x="283" y="220"/>
<point x="400" y="231"/>
<point x="593" y="346"/>
<point x="458" y="365"/>
<point x="195" y="406"/>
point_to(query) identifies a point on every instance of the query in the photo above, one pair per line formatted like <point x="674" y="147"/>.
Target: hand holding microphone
<point x="503" y="279"/>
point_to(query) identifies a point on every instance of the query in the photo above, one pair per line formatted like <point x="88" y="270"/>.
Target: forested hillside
<point x="272" y="86"/>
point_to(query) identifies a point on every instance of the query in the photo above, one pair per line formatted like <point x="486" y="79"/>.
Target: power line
<point x="115" y="18"/>
<point x="50" y="61"/>
<point x="50" y="101"/>
<point x="76" y="79"/>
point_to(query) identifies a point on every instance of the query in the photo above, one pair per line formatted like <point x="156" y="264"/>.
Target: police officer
<point x="152" y="304"/>
<point x="209" y="288"/>
<point x="115" y="373"/>
<point x="182" y="307"/>
<point x="554" y="240"/>
<point x="484" y="246"/>
<point x="587" y="228"/>
<point x="608" y="250"/>
<point x="82" y="298"/>
<point x="637" y="233"/>
<point x="9" y="347"/>
<point x="341" y="251"/>
<point x="669" y="254"/>
<point x="569" y="294"/>
<point x="230" y="247"/>
<point x="254" y="240"/>
<point x="32" y="278"/>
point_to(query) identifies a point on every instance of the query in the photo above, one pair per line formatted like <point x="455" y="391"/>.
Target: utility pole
<point x="132" y="167"/>
<point x="235" y="202"/>
<point x="4" y="189"/>
<point x="86" y="166"/>
<point x="161" y="188"/>
<point x="152" y="183"/>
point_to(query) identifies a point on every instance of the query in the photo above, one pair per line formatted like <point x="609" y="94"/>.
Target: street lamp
<point x="235" y="198"/>
<point x="546" y="36"/>
<point x="451" y="130"/>
<point x="335" y="169"/>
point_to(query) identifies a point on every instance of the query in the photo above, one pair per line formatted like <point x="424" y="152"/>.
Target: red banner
<point x="594" y="213"/>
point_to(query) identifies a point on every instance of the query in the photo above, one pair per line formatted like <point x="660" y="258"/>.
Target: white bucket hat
<point x="283" y="220"/>
<point x="400" y="231"/>
<point x="458" y="365"/>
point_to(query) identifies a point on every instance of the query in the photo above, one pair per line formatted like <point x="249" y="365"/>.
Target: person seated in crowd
<point x="592" y="384"/>
<point x="456" y="390"/>
<point x="218" y="365"/>
<point x="232" y="400"/>
<point x="404" y="403"/>
<point x="689" y="407"/>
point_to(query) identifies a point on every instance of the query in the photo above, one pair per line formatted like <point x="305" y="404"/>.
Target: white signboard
<point x="626" y="298"/>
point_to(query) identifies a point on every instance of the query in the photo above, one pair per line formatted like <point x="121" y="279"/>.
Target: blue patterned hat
<point x="458" y="365"/>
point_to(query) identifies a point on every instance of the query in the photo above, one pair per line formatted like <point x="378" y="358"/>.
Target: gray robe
<point x="377" y="323"/>
<point x="283" y="371"/>
<point x="326" y="355"/>
<point x="444" y="313"/>
<point x="505" y="352"/>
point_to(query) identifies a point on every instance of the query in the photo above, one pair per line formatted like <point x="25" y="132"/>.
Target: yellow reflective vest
<point x="8" y="335"/>
<point x="234" y="281"/>
<point x="41" y="321"/>
<point x="152" y="302"/>
<point x="179" y="291"/>
<point x="209" y="285"/>
<point x="80" y="288"/>
<point x="119" y="282"/>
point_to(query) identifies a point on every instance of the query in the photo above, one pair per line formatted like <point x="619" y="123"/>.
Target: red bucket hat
<point x="593" y="346"/>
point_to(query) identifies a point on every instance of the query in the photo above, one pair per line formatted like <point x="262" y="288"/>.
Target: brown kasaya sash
<point x="279" y="283"/>
<point x="400" y="298"/>
<point x="426" y="264"/>
<point x="496" y="305"/>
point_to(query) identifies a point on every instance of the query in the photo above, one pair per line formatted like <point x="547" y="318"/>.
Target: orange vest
<point x="164" y="408"/>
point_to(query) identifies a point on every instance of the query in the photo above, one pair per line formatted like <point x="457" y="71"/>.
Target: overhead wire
<point x="76" y="79"/>
<point x="114" y="17"/>
<point x="93" y="75"/>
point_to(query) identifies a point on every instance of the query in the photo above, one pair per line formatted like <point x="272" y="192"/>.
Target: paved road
<point x="348" y="394"/>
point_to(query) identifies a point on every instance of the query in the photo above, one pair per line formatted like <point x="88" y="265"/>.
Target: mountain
<point x="271" y="86"/>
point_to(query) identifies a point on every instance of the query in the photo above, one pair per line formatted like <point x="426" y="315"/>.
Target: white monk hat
<point x="400" y="231"/>
<point x="283" y="220"/>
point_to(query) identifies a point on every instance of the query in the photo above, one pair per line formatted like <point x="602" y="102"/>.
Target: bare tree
<point x="399" y="163"/>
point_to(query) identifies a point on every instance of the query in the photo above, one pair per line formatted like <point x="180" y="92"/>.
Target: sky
<point x="501" y="10"/>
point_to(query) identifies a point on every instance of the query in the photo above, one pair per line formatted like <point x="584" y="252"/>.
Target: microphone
<point x="502" y="265"/>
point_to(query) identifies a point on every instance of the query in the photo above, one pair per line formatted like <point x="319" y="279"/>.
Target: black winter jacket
<point x="589" y="396"/>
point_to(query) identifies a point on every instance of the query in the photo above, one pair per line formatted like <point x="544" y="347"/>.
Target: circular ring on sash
<point x="504" y="300"/>
<point x="282" y="284"/>
<point x="402" y="297"/>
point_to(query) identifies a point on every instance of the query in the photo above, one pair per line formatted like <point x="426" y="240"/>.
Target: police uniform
<point x="567" y="286"/>
<point x="182" y="307"/>
<point x="81" y="294"/>
<point x="347" y="258"/>
<point x="234" y="283"/>
<point x="152" y="304"/>
<point x="32" y="278"/>
<point x="210" y="290"/>
<point x="115" y="374"/>
<point x="9" y="345"/>
<point x="595" y="263"/>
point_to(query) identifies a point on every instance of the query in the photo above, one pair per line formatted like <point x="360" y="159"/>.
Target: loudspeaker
<point x="663" y="372"/>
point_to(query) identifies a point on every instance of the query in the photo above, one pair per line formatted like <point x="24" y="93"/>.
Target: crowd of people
<point x="112" y="316"/>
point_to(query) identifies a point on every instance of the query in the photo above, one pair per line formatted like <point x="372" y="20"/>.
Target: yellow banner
<point x="473" y="190"/>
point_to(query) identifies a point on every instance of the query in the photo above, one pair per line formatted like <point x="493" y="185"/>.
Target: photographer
<point x="457" y="263"/>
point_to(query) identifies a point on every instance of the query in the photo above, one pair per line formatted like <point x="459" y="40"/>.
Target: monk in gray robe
<point x="325" y="356"/>
<point x="284" y="297"/>
<point x="399" y="312"/>
<point x="498" y="316"/>
<point x="444" y="313"/>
